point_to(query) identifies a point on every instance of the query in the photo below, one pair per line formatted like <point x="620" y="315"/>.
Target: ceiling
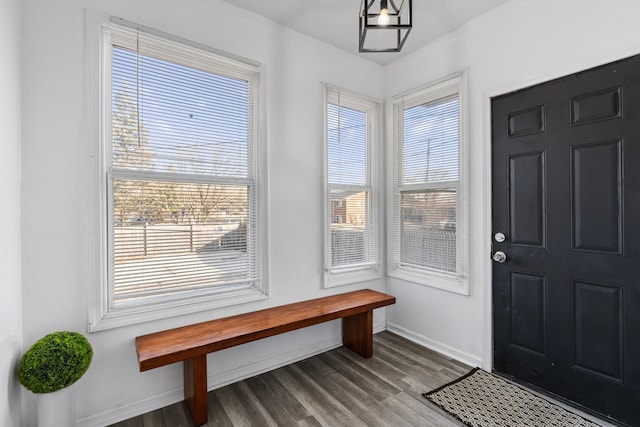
<point x="336" y="21"/>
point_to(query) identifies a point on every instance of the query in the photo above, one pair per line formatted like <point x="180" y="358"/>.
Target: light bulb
<point x="383" y="19"/>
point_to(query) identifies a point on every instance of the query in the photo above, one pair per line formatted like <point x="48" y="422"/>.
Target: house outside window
<point x="352" y="237"/>
<point x="429" y="233"/>
<point x="180" y="180"/>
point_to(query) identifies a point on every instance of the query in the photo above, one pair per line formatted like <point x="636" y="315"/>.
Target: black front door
<point x="566" y="197"/>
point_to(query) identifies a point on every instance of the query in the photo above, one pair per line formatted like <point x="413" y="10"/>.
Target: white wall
<point x="10" y="290"/>
<point x="517" y="45"/>
<point x="56" y="199"/>
<point x="522" y="43"/>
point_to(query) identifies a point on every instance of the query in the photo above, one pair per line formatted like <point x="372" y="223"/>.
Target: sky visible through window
<point x="347" y="145"/>
<point x="431" y="138"/>
<point x="191" y="121"/>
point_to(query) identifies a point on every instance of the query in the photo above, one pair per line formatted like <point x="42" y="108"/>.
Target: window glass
<point x="429" y="216"/>
<point x="182" y="172"/>
<point x="351" y="218"/>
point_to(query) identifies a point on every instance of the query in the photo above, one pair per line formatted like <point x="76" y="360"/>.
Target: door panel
<point x="528" y="306"/>
<point x="598" y="329"/>
<point x="566" y="193"/>
<point x="593" y="107"/>
<point x="597" y="197"/>
<point x="526" y="199"/>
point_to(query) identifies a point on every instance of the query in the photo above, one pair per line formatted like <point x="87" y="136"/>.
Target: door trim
<point x="502" y="89"/>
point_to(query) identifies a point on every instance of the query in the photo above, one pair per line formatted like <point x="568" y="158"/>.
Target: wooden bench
<point x="191" y="344"/>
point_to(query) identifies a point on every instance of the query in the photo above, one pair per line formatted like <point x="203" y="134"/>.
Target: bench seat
<point x="191" y="344"/>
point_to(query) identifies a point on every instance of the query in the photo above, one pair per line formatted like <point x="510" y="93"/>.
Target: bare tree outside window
<point x="181" y="193"/>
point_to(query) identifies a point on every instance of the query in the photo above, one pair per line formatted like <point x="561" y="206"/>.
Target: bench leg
<point x="357" y="333"/>
<point x="195" y="389"/>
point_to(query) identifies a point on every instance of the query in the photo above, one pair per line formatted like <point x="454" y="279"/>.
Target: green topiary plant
<point x="55" y="362"/>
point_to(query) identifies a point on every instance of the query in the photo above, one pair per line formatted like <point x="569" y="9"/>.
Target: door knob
<point x="499" y="256"/>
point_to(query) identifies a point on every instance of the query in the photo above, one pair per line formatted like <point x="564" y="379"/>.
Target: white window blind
<point x="352" y="239"/>
<point x="183" y="171"/>
<point x="428" y="165"/>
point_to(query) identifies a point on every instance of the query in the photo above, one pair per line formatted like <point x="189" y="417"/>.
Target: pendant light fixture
<point x="392" y="24"/>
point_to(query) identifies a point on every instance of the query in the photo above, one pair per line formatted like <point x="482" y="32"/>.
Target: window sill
<point x="341" y="278"/>
<point x="451" y="282"/>
<point x="125" y="316"/>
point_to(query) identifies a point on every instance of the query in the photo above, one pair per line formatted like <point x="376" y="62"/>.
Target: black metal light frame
<point x="369" y="21"/>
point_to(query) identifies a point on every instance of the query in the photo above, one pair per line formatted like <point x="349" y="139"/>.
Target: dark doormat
<point x="481" y="399"/>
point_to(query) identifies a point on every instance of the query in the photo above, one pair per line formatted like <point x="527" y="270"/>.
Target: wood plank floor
<point x="336" y="388"/>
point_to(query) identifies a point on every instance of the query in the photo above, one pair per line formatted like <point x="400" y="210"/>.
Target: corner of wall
<point x="10" y="259"/>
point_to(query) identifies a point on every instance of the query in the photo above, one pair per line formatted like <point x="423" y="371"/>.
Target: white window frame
<point x="454" y="282"/>
<point x="102" y="313"/>
<point x="372" y="268"/>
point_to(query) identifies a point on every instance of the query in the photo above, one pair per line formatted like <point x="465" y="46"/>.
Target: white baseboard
<point x="214" y="380"/>
<point x="461" y="356"/>
<point x="133" y="409"/>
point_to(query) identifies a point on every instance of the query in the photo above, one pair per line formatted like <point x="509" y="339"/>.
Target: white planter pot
<point x="57" y="409"/>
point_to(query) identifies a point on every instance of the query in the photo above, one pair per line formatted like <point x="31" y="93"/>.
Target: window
<point x="430" y="191"/>
<point x="180" y="177"/>
<point x="351" y="218"/>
